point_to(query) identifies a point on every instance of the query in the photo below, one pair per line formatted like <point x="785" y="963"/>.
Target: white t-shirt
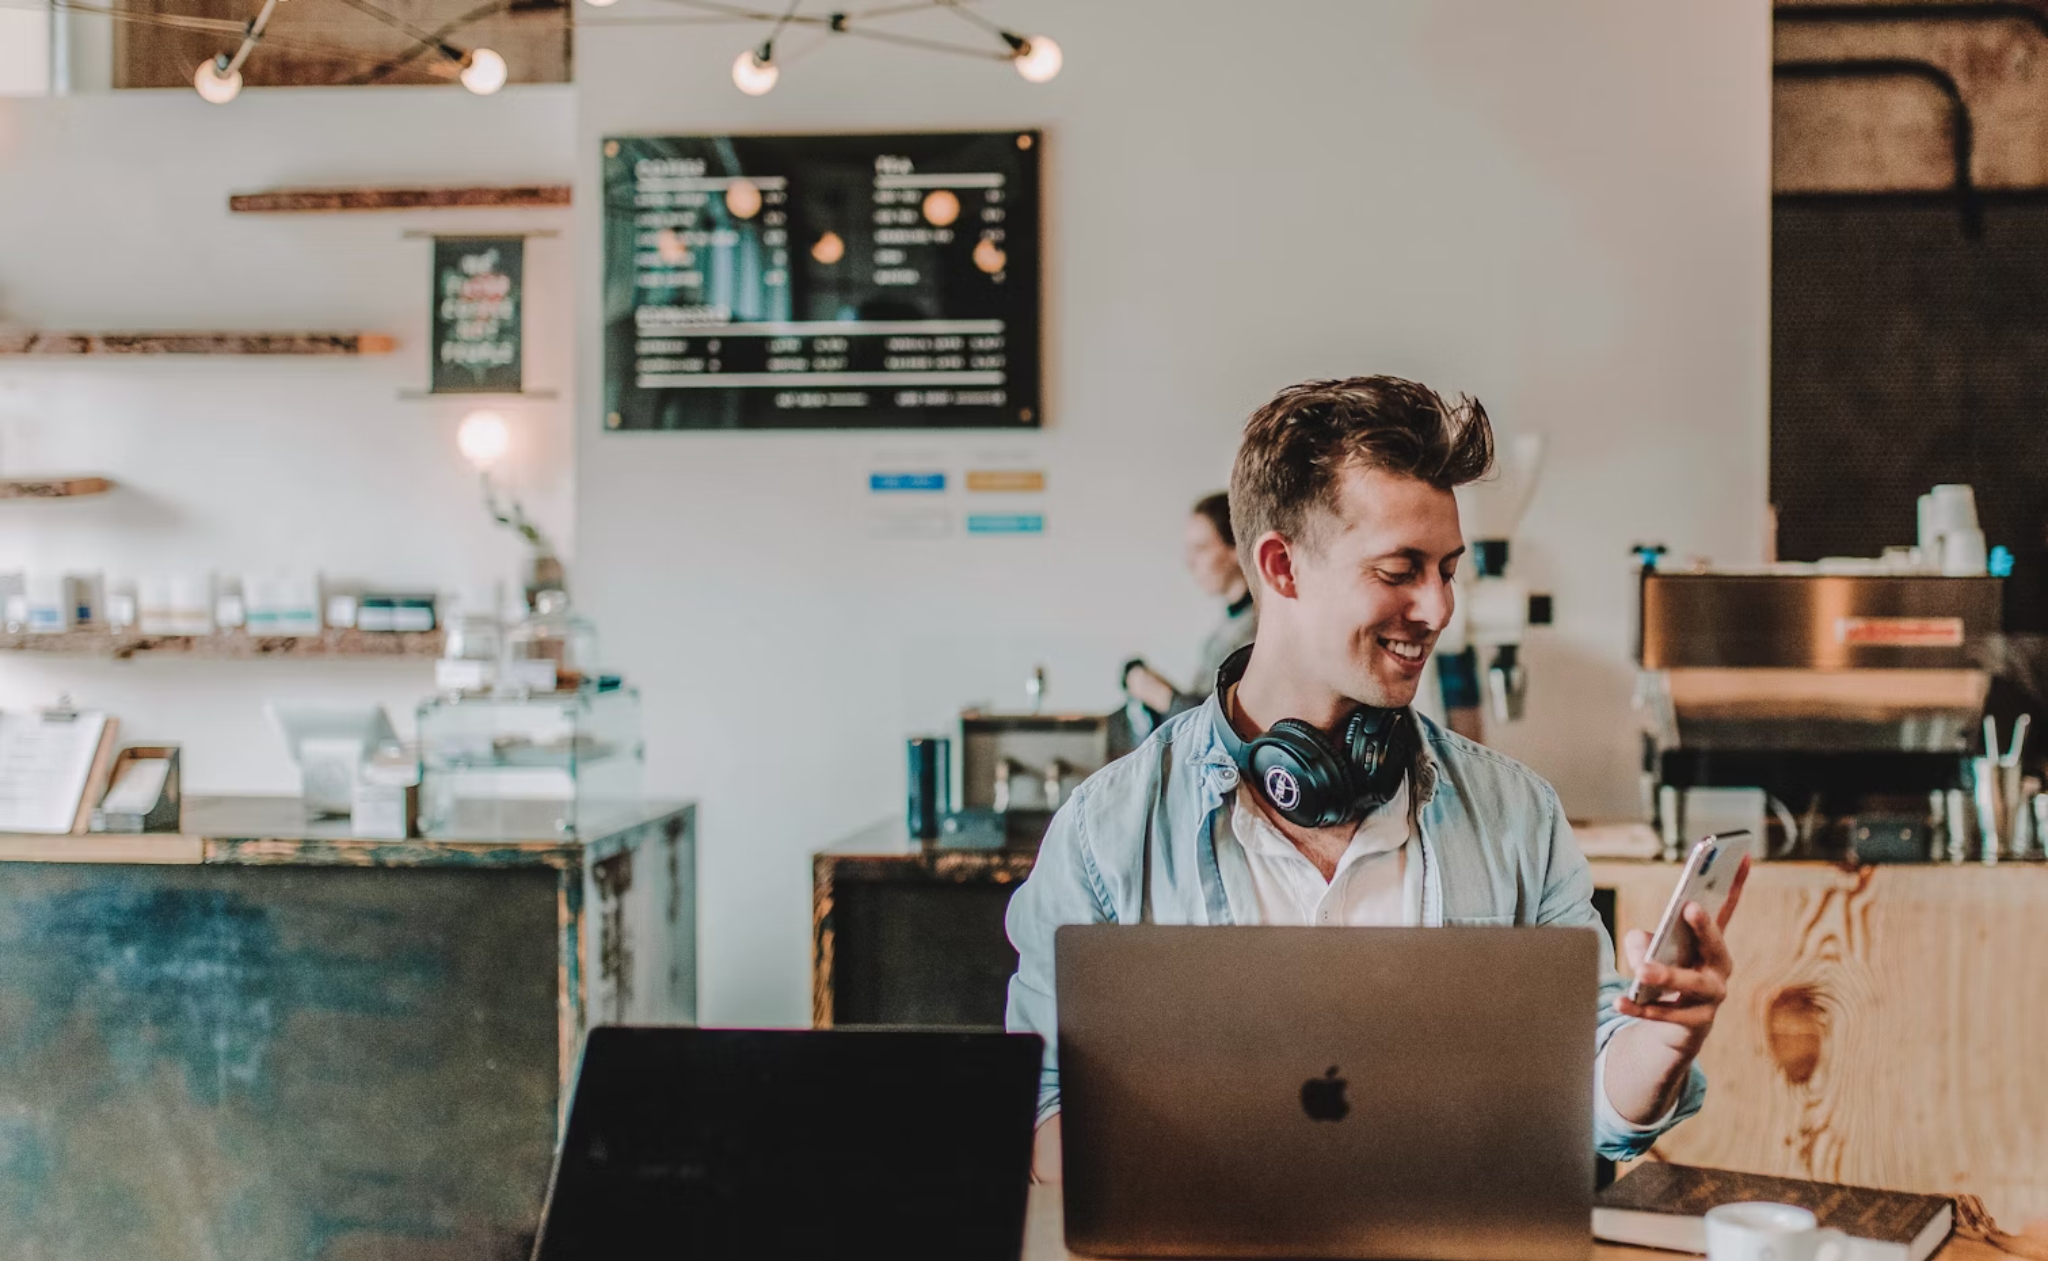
<point x="1377" y="883"/>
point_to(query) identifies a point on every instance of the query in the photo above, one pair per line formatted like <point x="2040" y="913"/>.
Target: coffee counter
<point x="260" y="1038"/>
<point x="1887" y="1026"/>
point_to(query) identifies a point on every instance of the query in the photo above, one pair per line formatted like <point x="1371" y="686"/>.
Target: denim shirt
<point x="1494" y="846"/>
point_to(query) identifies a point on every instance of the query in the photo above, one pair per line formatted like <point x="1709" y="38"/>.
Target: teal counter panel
<point x="230" y="1062"/>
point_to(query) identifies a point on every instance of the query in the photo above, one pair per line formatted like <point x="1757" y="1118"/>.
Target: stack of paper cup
<point x="1949" y="534"/>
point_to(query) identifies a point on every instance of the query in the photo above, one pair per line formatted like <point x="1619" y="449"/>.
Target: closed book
<point x="1660" y="1205"/>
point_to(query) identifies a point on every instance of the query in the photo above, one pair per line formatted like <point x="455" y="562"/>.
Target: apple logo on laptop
<point x="1323" y="1097"/>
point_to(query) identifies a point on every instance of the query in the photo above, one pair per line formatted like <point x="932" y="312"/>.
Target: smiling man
<point x="1306" y="791"/>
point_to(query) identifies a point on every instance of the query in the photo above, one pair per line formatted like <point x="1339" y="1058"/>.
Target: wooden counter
<point x="261" y="1038"/>
<point x="906" y="935"/>
<point x="1045" y="1239"/>
<point x="1887" y="1026"/>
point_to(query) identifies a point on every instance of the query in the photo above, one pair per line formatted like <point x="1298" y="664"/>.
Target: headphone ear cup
<point x="1301" y="775"/>
<point x="1379" y="746"/>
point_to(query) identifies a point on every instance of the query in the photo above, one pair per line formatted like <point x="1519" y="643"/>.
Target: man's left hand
<point x="1648" y="1061"/>
<point x="1689" y="997"/>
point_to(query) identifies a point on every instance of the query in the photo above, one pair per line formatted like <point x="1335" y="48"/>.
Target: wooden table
<point x="260" y="1038"/>
<point x="1044" y="1240"/>
<point x="1886" y="1026"/>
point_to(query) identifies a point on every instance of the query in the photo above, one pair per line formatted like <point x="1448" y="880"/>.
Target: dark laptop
<point x="728" y="1143"/>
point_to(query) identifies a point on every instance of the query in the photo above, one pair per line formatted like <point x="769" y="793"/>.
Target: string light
<point x="483" y="71"/>
<point x="213" y="85"/>
<point x="755" y="72"/>
<point x="1037" y="58"/>
<point x="219" y="79"/>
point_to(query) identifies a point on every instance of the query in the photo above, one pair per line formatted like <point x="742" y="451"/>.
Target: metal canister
<point x="930" y="766"/>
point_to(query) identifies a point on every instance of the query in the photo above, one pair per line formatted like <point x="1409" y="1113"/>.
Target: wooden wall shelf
<point x="229" y="645"/>
<point x="46" y="343"/>
<point x="333" y="200"/>
<point x="53" y="487"/>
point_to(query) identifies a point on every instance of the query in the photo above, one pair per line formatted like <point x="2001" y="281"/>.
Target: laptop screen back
<point x="717" y="1144"/>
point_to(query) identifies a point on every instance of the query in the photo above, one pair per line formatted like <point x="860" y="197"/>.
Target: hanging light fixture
<point x="215" y="83"/>
<point x="219" y="78"/>
<point x="483" y="71"/>
<point x="754" y="71"/>
<point x="1036" y="57"/>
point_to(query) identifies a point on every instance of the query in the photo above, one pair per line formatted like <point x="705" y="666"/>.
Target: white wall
<point x="1561" y="207"/>
<point x="113" y="215"/>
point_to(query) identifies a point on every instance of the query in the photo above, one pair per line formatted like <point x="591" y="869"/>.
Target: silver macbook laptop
<point x="1328" y="1092"/>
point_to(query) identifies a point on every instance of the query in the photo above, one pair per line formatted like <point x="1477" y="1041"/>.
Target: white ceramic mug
<point x="1770" y="1232"/>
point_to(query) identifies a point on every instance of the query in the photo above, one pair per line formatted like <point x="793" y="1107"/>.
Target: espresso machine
<point x="1846" y="701"/>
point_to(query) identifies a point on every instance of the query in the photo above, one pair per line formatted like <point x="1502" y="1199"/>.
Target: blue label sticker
<point x="1006" y="523"/>
<point x="882" y="483"/>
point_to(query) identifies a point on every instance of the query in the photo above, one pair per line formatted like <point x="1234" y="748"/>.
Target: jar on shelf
<point x="552" y="649"/>
<point x="473" y="647"/>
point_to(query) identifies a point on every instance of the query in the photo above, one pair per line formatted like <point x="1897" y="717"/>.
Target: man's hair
<point x="1297" y="447"/>
<point x="1216" y="507"/>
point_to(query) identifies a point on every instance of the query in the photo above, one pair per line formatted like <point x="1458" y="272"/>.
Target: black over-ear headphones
<point x="1318" y="780"/>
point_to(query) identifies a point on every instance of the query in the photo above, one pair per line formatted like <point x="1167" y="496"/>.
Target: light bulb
<point x="1039" y="59"/>
<point x="215" y="86"/>
<point x="483" y="439"/>
<point x="829" y="249"/>
<point x="754" y="74"/>
<point x="483" y="71"/>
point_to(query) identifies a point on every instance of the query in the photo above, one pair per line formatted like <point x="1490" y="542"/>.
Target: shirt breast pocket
<point x="1479" y="921"/>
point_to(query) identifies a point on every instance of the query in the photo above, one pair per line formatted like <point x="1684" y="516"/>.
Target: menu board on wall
<point x="822" y="282"/>
<point x="477" y="313"/>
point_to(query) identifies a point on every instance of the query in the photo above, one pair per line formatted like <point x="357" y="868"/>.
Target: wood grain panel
<point x="1885" y="1027"/>
<point x="53" y="487"/>
<point x="121" y="645"/>
<point x="331" y="200"/>
<point x="43" y="343"/>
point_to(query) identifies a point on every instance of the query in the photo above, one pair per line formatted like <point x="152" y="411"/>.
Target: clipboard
<point x="54" y="765"/>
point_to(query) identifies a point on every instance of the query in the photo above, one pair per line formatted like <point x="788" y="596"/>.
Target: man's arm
<point x="1649" y="1082"/>
<point x="1064" y="888"/>
<point x="1648" y="1060"/>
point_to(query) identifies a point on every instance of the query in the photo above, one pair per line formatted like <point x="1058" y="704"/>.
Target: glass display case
<point x="562" y="763"/>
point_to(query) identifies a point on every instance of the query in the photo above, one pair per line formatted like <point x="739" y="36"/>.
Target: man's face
<point x="1373" y="587"/>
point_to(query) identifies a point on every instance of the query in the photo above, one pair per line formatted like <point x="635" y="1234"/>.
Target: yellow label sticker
<point x="1006" y="481"/>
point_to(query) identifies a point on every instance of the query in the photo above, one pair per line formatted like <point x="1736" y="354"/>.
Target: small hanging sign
<point x="477" y="301"/>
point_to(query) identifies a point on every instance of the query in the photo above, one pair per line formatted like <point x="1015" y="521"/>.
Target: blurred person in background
<point x="1212" y="560"/>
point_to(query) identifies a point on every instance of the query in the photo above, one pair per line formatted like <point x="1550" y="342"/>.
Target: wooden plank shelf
<point x="53" y="487"/>
<point x="228" y="645"/>
<point x="39" y="343"/>
<point x="333" y="200"/>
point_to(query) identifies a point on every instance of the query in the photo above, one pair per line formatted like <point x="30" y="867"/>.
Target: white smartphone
<point x="1708" y="876"/>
